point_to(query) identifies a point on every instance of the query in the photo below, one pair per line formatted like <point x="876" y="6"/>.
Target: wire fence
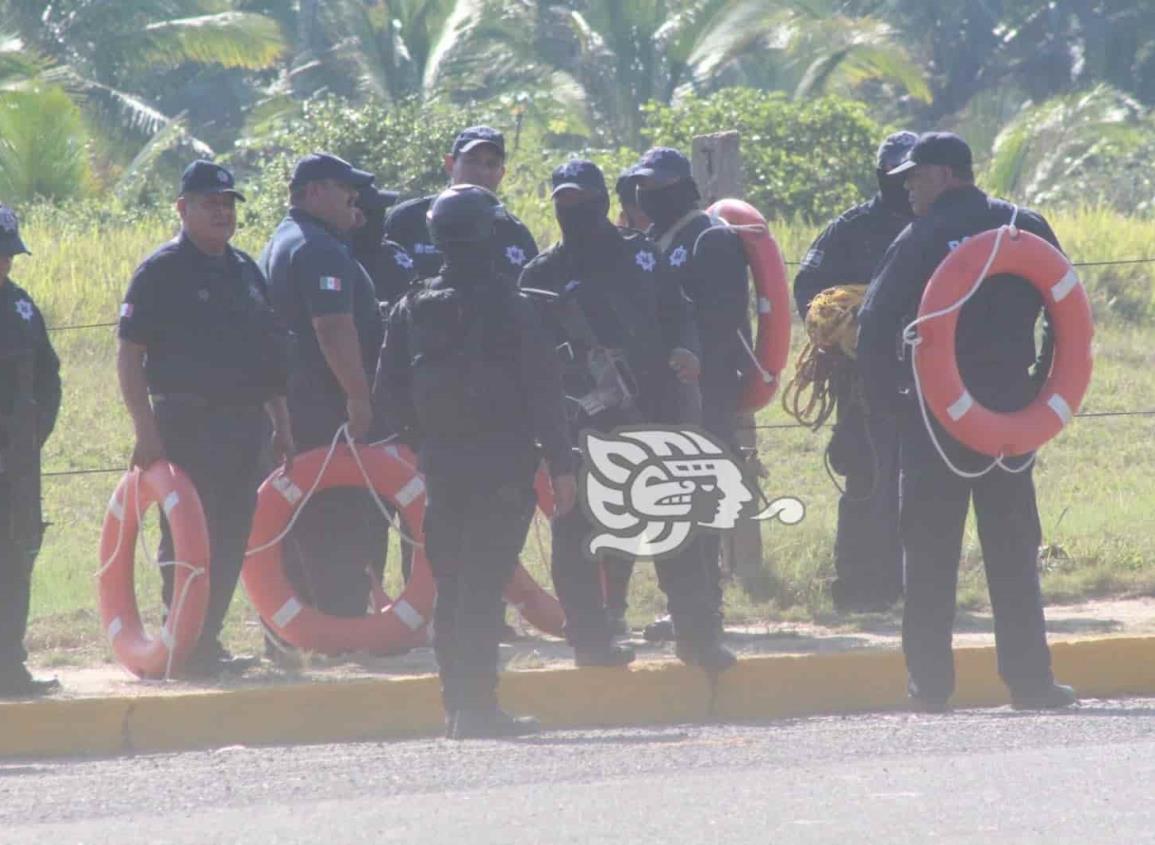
<point x="765" y="427"/>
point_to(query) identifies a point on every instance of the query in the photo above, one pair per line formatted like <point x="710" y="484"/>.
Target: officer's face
<point x="209" y="218"/>
<point x="482" y="165"/>
<point x="335" y="203"/>
<point x="924" y="184"/>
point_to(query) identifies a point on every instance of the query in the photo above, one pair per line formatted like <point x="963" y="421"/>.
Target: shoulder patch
<point x="25" y="309"/>
<point x="403" y="260"/>
<point x="515" y="255"/>
<point x="678" y="256"/>
<point x="645" y="259"/>
<point x="813" y="259"/>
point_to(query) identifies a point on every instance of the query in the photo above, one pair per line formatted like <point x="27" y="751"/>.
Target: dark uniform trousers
<point x="340" y="534"/>
<point x="867" y="546"/>
<point x="473" y="535"/>
<point x="682" y="577"/>
<point x="934" y="505"/>
<point x="15" y="588"/>
<point x="219" y="448"/>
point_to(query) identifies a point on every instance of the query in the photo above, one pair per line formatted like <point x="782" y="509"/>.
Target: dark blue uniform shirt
<point x="390" y="268"/>
<point x="206" y="325"/>
<point x="513" y="245"/>
<point x="312" y="273"/>
<point x="848" y="251"/>
<point x="996" y="328"/>
<point x="22" y="333"/>
<point x="631" y="302"/>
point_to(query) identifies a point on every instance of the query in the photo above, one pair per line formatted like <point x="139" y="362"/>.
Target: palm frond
<point x="232" y="39"/>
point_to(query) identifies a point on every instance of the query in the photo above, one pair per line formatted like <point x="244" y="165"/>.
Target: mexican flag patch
<point x="330" y="283"/>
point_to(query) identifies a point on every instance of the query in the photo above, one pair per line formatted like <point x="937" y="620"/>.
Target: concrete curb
<point x="759" y="688"/>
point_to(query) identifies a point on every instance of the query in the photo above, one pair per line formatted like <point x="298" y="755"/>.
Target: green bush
<point x="809" y="159"/>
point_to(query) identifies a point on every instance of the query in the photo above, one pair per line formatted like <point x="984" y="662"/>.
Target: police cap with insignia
<point x="205" y="177"/>
<point x="475" y="136"/>
<point x="941" y="148"/>
<point x="319" y="167"/>
<point x="10" y="241"/>
<point x="578" y="175"/>
<point x="664" y="165"/>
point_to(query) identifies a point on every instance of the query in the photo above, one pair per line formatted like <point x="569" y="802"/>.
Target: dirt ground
<point x="1113" y="617"/>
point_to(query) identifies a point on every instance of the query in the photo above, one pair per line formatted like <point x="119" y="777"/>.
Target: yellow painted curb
<point x="765" y="687"/>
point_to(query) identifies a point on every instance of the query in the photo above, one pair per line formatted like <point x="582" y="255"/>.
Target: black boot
<point x="610" y="655"/>
<point x="659" y="631"/>
<point x="491" y="723"/>
<point x="1051" y="697"/>
<point x="19" y="683"/>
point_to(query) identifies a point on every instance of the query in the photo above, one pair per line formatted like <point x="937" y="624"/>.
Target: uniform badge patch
<point x="331" y="283"/>
<point x="678" y="256"/>
<point x="7" y="219"/>
<point x="25" y="310"/>
<point x="645" y="259"/>
<point x="203" y="295"/>
<point x="403" y="260"/>
<point x="813" y="258"/>
<point x="126" y="310"/>
<point x="515" y="255"/>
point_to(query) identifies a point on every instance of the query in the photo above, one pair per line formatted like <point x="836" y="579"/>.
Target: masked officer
<point x="477" y="158"/>
<point x="201" y="360"/>
<point x="867" y="551"/>
<point x="996" y="350"/>
<point x="709" y="264"/>
<point x="389" y="266"/>
<point x="630" y="337"/>
<point x="468" y="373"/>
<point x="631" y="216"/>
<point x="327" y="300"/>
<point x="29" y="402"/>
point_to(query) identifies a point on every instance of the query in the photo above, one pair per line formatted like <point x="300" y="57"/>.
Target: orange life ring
<point x="772" y="344"/>
<point x="538" y="607"/>
<point x="986" y="431"/>
<point x="401" y="624"/>
<point x="166" y="485"/>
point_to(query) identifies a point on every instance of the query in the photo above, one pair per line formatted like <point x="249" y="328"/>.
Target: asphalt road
<point x="990" y="776"/>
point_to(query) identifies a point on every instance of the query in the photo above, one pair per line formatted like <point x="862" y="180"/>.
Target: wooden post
<point x="716" y="162"/>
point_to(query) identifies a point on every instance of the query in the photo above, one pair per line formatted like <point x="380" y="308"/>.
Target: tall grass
<point x="1096" y="485"/>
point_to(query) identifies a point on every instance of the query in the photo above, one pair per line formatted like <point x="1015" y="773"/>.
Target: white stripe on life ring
<point x="1062" y="410"/>
<point x="287" y="613"/>
<point x="412" y="489"/>
<point x="1064" y="286"/>
<point x="961" y="405"/>
<point x="115" y="627"/>
<point x="285" y="486"/>
<point x="170" y="502"/>
<point x="115" y="508"/>
<point x="764" y="305"/>
<point x="408" y="614"/>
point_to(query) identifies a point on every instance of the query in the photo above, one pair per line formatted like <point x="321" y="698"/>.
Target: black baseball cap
<point x="371" y="198"/>
<point x="316" y="167"/>
<point x="580" y="175"/>
<point x="475" y="136"/>
<point x="894" y="150"/>
<point x="204" y="177"/>
<point x="627" y="187"/>
<point x="941" y="148"/>
<point x="10" y="241"/>
<point x="664" y="164"/>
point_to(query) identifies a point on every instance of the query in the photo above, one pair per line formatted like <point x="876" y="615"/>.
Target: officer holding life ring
<point x="29" y="402"/>
<point x="996" y="353"/>
<point x="201" y="360"/>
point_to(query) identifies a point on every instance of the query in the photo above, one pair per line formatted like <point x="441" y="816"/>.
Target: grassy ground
<point x="1095" y="484"/>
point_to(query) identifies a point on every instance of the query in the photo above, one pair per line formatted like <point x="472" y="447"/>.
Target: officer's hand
<point x="686" y="365"/>
<point x="360" y="415"/>
<point x="149" y="448"/>
<point x="564" y="493"/>
<point x="284" y="449"/>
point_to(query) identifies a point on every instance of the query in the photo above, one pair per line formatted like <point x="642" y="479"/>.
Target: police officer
<point x="709" y="264"/>
<point x="201" y="360"/>
<point x="389" y="266"/>
<point x="29" y="402"/>
<point x="477" y="158"/>
<point x="996" y="350"/>
<point x="327" y="300"/>
<point x="617" y="306"/>
<point x="867" y="551"/>
<point x="631" y="216"/>
<point x="467" y="372"/>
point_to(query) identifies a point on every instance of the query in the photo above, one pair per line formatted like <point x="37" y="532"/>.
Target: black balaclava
<point x="894" y="195"/>
<point x="367" y="239"/>
<point x="468" y="259"/>
<point x="581" y="223"/>
<point x="666" y="206"/>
